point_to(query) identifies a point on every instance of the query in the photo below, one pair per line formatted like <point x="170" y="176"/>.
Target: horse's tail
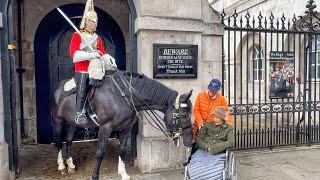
<point x="56" y="122"/>
<point x="55" y="87"/>
<point x="52" y="101"/>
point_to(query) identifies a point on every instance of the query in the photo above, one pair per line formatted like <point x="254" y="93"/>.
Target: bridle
<point x="179" y="115"/>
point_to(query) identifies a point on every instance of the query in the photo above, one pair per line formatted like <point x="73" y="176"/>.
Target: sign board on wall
<point x="175" y="61"/>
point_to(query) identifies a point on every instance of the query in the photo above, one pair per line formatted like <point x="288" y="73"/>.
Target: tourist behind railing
<point x="205" y="104"/>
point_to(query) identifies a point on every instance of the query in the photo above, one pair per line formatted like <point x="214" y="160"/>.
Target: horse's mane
<point x="151" y="89"/>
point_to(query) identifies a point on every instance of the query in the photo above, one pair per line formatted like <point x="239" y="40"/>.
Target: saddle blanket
<point x="69" y="85"/>
<point x="205" y="166"/>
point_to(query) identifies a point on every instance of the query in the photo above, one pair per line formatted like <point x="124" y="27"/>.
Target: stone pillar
<point x="4" y="158"/>
<point x="174" y="22"/>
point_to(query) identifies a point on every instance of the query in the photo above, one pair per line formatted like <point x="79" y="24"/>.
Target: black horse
<point x="116" y="109"/>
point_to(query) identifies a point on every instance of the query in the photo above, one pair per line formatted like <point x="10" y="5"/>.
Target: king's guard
<point x="87" y="48"/>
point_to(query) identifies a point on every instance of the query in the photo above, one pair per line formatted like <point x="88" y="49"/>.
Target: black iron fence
<point x="271" y="77"/>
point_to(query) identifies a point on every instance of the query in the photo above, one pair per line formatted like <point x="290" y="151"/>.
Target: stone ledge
<point x="173" y="24"/>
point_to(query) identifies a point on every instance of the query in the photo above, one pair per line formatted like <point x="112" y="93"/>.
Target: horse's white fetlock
<point x="60" y="163"/>
<point x="122" y="170"/>
<point x="61" y="167"/>
<point x="70" y="163"/>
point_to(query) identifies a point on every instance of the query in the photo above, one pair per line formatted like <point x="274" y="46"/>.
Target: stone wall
<point x="175" y="22"/>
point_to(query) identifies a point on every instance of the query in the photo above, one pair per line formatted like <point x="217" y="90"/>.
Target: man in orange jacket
<point x="205" y="105"/>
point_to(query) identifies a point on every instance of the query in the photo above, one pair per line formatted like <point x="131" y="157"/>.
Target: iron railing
<point x="265" y="116"/>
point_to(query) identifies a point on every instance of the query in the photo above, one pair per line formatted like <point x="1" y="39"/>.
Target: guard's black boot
<point x="82" y="80"/>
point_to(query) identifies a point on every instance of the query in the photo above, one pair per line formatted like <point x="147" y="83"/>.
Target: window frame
<point x="257" y="58"/>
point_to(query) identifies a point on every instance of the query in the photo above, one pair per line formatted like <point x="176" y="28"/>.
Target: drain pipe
<point x="20" y="70"/>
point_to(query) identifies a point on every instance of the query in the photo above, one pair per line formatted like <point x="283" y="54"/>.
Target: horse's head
<point x="178" y="119"/>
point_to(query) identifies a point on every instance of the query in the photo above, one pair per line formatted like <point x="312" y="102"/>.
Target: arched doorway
<point x="52" y="61"/>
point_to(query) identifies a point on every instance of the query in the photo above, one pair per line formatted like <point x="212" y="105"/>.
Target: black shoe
<point x="81" y="118"/>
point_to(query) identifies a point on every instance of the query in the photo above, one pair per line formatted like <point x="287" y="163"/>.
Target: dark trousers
<point x="82" y="80"/>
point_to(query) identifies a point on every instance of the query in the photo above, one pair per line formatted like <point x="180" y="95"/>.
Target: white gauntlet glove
<point x="82" y="56"/>
<point x="94" y="54"/>
<point x="109" y="59"/>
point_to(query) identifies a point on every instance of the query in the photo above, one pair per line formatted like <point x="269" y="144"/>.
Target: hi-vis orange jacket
<point x="204" y="107"/>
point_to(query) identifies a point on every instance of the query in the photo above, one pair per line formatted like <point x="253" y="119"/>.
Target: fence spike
<point x="278" y="23"/>
<point x="260" y="17"/>
<point x="223" y="15"/>
<point x="265" y="22"/>
<point x="283" y="19"/>
<point x="253" y="21"/>
<point x="247" y="16"/>
<point x="271" y="18"/>
<point x="235" y="15"/>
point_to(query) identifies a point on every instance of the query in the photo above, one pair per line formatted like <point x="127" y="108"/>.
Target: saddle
<point x="70" y="87"/>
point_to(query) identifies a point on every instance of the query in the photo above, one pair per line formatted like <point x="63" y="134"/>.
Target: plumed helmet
<point x="89" y="13"/>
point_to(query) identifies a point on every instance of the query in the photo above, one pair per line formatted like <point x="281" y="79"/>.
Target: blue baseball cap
<point x="214" y="85"/>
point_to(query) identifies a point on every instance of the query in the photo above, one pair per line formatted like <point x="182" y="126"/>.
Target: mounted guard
<point x="116" y="102"/>
<point x="90" y="58"/>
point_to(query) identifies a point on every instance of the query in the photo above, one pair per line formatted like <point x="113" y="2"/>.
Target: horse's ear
<point x="189" y="94"/>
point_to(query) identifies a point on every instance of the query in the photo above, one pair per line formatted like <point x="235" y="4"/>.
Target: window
<point x="257" y="59"/>
<point x="315" y="58"/>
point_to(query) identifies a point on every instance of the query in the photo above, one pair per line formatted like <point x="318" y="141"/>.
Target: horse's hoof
<point x="71" y="170"/>
<point x="95" y="177"/>
<point x="125" y="178"/>
<point x="63" y="172"/>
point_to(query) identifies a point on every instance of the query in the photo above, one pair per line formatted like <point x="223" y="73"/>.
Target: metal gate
<point x="271" y="77"/>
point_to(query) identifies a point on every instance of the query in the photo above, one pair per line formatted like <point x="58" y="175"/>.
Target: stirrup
<point x="81" y="118"/>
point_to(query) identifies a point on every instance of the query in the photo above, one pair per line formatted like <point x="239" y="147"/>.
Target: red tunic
<point x="82" y="66"/>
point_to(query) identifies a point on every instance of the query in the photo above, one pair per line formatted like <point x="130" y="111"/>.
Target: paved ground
<point x="38" y="162"/>
<point x="301" y="163"/>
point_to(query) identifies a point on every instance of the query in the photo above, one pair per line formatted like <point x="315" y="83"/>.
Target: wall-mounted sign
<point x="281" y="75"/>
<point x="175" y="61"/>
